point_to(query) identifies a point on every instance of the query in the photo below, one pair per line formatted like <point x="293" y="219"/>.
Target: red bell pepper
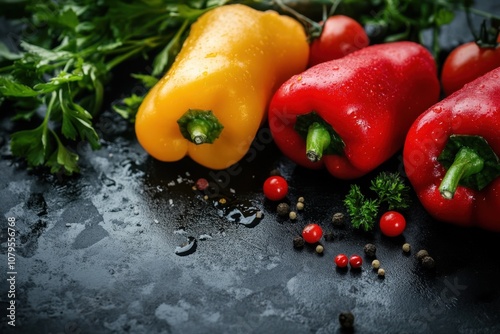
<point x="352" y="114"/>
<point x="451" y="155"/>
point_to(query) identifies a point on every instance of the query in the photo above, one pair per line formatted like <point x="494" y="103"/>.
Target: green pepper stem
<point x="467" y="162"/>
<point x="198" y="130"/>
<point x="318" y="139"/>
<point x="200" y="126"/>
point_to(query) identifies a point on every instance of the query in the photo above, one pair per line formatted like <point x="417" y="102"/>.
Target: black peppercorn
<point x="298" y="242"/>
<point x="370" y="250"/>
<point x="329" y="236"/>
<point x="346" y="319"/>
<point x="275" y="172"/>
<point x="421" y="254"/>
<point x="338" y="219"/>
<point x="428" y="262"/>
<point x="283" y="209"/>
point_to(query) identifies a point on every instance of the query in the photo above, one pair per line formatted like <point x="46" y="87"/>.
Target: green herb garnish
<point x="362" y="211"/>
<point x="391" y="191"/>
<point x="69" y="50"/>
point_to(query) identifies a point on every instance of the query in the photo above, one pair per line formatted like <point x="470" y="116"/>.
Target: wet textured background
<point x="106" y="251"/>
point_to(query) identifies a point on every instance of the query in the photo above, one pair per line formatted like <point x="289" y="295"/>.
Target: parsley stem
<point x="479" y="12"/>
<point x="119" y="59"/>
<point x="314" y="29"/>
<point x="45" y="123"/>
<point x="50" y="107"/>
<point x="7" y="68"/>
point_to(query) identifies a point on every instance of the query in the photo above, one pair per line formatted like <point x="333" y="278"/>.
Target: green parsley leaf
<point x="55" y="83"/>
<point x="444" y="16"/>
<point x="77" y="121"/>
<point x="362" y="211"/>
<point x="128" y="107"/>
<point x="5" y="53"/>
<point x="63" y="160"/>
<point x="147" y="80"/>
<point x="35" y="145"/>
<point x="391" y="189"/>
<point x="11" y="88"/>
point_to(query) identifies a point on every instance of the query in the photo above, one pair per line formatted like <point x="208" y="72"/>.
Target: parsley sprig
<point x="391" y="191"/>
<point x="361" y="210"/>
<point x="66" y="60"/>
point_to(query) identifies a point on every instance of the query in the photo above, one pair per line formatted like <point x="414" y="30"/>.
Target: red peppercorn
<point x="355" y="261"/>
<point x="341" y="260"/>
<point x="201" y="184"/>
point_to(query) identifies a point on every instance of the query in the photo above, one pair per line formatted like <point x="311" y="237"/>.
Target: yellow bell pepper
<point x="213" y="99"/>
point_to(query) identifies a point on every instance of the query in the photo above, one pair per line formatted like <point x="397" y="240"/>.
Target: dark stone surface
<point x="96" y="253"/>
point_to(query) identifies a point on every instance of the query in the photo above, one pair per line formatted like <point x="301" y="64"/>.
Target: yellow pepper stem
<point x="198" y="130"/>
<point x="200" y="126"/>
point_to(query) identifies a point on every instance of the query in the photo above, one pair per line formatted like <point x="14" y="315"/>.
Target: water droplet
<point x="437" y="109"/>
<point x="204" y="237"/>
<point x="107" y="181"/>
<point x="36" y="202"/>
<point x="189" y="247"/>
<point x="241" y="212"/>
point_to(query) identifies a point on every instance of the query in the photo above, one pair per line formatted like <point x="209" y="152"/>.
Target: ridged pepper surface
<point x="451" y="155"/>
<point x="213" y="99"/>
<point x="352" y="114"/>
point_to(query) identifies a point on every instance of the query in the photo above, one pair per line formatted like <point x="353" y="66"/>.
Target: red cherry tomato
<point x="392" y="223"/>
<point x="312" y="233"/>
<point x="466" y="63"/>
<point x="275" y="188"/>
<point x="355" y="261"/>
<point x="341" y="260"/>
<point x="340" y="36"/>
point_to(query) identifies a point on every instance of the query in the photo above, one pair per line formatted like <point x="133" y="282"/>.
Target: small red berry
<point x="275" y="188"/>
<point x="202" y="184"/>
<point x="392" y="223"/>
<point x="341" y="260"/>
<point x="355" y="261"/>
<point x="312" y="233"/>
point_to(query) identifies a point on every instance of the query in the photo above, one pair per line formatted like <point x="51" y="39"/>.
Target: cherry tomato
<point x="340" y="36"/>
<point x="392" y="223"/>
<point x="341" y="260"/>
<point x="355" y="261"/>
<point x="312" y="233"/>
<point x="275" y="188"/>
<point x="466" y="63"/>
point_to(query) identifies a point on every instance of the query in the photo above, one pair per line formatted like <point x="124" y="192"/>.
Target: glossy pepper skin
<point x="474" y="110"/>
<point x="369" y="99"/>
<point x="231" y="63"/>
